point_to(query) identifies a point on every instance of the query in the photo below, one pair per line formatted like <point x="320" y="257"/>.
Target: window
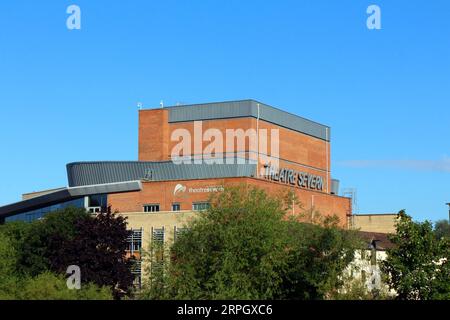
<point x="151" y="208"/>
<point x="135" y="241"/>
<point x="176" y="207"/>
<point x="38" y="214"/>
<point x="178" y="232"/>
<point x="99" y="200"/>
<point x="134" y="246"/>
<point x="94" y="210"/>
<point x="157" y="250"/>
<point x="200" y="206"/>
<point x="136" y="270"/>
<point x="158" y="235"/>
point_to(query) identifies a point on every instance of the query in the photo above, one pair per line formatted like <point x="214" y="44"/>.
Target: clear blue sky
<point x="71" y="95"/>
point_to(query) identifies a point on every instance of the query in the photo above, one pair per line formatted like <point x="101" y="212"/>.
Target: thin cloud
<point x="442" y="165"/>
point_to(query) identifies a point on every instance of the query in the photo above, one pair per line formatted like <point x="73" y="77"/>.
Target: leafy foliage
<point x="45" y="240"/>
<point x="418" y="265"/>
<point x="244" y="247"/>
<point x="98" y="248"/>
<point x="46" y="286"/>
<point x="73" y="237"/>
<point x="442" y="229"/>
<point x="318" y="256"/>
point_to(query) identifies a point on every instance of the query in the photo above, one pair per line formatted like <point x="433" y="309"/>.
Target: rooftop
<point x="246" y="108"/>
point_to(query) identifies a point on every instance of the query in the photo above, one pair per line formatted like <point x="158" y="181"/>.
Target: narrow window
<point x="151" y="208"/>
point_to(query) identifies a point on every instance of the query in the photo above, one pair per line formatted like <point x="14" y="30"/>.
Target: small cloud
<point x="442" y="165"/>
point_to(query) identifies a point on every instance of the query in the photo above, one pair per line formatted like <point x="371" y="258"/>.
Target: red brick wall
<point x="162" y="193"/>
<point x="298" y="150"/>
<point x="153" y="135"/>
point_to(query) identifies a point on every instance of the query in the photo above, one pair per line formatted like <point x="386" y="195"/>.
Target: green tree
<point x="245" y="247"/>
<point x="48" y="286"/>
<point x="318" y="256"/>
<point x="44" y="239"/>
<point x="97" y="244"/>
<point x="442" y="229"/>
<point x="8" y="260"/>
<point x="45" y="286"/>
<point x="418" y="265"/>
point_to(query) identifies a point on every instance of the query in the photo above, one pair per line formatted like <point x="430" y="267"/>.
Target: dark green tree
<point x="418" y="265"/>
<point x="318" y="256"/>
<point x="45" y="286"/>
<point x="99" y="249"/>
<point x="97" y="244"/>
<point x="45" y="238"/>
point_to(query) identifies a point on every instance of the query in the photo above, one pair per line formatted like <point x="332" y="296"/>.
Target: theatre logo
<point x="294" y="178"/>
<point x="181" y="189"/>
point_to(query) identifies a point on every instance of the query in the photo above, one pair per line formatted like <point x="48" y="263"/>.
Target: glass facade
<point x="99" y="200"/>
<point x="41" y="212"/>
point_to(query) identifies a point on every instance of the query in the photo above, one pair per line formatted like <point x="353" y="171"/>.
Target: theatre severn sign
<point x="292" y="177"/>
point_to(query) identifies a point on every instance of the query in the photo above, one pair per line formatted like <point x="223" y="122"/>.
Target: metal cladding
<point x="248" y="108"/>
<point x="69" y="194"/>
<point x="92" y="173"/>
<point x="335" y="186"/>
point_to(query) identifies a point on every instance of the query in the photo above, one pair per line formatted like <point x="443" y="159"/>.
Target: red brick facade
<point x="297" y="151"/>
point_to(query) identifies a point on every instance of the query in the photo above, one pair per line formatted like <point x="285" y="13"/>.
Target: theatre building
<point x="188" y="152"/>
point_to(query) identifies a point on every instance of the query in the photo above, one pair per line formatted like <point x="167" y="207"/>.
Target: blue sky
<point x="72" y="95"/>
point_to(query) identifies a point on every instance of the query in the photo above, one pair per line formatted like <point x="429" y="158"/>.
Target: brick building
<point x="188" y="152"/>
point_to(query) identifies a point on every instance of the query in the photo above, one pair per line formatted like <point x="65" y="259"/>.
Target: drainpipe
<point x="257" y="143"/>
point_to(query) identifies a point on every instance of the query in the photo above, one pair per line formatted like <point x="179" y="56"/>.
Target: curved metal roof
<point x="91" y="173"/>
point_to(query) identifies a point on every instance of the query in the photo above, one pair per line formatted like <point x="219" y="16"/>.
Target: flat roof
<point x="246" y="108"/>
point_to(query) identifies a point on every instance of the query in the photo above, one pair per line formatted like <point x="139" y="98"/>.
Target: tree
<point x="318" y="256"/>
<point x="99" y="249"/>
<point x="45" y="286"/>
<point x="245" y="247"/>
<point x="442" y="229"/>
<point x="74" y="237"/>
<point x="418" y="265"/>
<point x="48" y="286"/>
<point x="8" y="260"/>
<point x="44" y="239"/>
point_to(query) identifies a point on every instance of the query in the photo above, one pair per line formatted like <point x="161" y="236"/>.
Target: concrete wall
<point x="382" y="223"/>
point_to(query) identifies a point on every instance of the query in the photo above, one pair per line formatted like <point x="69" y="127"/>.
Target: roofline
<point x="67" y="194"/>
<point x="375" y="214"/>
<point x="234" y="101"/>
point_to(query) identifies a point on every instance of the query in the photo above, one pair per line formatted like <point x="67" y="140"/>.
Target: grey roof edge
<point x="240" y="100"/>
<point x="291" y="114"/>
<point x="248" y="109"/>
<point x="196" y="104"/>
<point x="68" y="194"/>
<point x="99" y="172"/>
